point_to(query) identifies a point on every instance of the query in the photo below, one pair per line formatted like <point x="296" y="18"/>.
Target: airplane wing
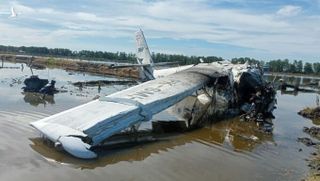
<point x="80" y="128"/>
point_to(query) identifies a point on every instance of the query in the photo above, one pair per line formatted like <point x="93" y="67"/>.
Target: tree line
<point x="296" y="66"/>
<point x="285" y="66"/>
<point x="121" y="57"/>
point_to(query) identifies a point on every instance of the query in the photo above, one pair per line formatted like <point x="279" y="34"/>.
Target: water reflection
<point x="230" y="135"/>
<point x="289" y="92"/>
<point x="35" y="99"/>
<point x="194" y="119"/>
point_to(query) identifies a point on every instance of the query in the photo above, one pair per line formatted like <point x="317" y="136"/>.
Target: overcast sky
<point x="264" y="29"/>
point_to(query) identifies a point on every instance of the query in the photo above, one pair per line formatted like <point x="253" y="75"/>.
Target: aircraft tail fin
<point x="13" y="13"/>
<point x="144" y="57"/>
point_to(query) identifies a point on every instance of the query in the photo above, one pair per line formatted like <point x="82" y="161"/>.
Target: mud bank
<point x="72" y="65"/>
<point x="314" y="165"/>
<point x="314" y="161"/>
<point x="311" y="113"/>
<point x="314" y="132"/>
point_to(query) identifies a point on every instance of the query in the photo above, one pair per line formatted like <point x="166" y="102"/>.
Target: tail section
<point x="143" y="53"/>
<point x="13" y="13"/>
<point x="144" y="57"/>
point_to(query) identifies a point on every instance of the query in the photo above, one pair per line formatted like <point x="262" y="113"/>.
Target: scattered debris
<point x="296" y="87"/>
<point x="35" y="84"/>
<point x="49" y="88"/>
<point x="259" y="106"/>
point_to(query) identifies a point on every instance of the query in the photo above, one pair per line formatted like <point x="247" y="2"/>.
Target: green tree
<point x="316" y="67"/>
<point x="299" y="66"/>
<point x="308" y="68"/>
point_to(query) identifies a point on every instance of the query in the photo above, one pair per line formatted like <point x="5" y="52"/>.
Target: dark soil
<point x="307" y="141"/>
<point x="313" y="131"/>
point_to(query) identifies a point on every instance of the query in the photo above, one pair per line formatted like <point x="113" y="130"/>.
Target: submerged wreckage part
<point x="256" y="97"/>
<point x="35" y="84"/>
<point x="80" y="129"/>
<point x="99" y="119"/>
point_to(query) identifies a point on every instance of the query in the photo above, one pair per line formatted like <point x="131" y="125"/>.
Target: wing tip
<point x="77" y="148"/>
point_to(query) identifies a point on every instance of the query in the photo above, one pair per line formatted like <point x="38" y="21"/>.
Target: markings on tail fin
<point x="144" y="57"/>
<point x="142" y="48"/>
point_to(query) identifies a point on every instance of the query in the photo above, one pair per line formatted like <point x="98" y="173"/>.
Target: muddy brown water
<point x="224" y="150"/>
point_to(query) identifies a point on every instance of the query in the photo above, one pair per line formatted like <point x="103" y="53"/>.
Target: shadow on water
<point x="230" y="134"/>
<point x="35" y="99"/>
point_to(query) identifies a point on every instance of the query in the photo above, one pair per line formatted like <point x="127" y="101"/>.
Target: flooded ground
<point x="225" y="150"/>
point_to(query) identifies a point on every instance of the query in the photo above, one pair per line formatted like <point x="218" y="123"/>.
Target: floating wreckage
<point x="35" y="84"/>
<point x="81" y="129"/>
<point x="295" y="87"/>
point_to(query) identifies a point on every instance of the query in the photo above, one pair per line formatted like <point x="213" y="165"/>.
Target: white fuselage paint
<point x="168" y="71"/>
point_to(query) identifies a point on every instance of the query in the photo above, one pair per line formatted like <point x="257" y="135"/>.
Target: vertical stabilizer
<point x="143" y="53"/>
<point x="144" y="57"/>
<point x="13" y="13"/>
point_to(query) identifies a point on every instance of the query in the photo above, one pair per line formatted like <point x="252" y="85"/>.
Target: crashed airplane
<point x="79" y="130"/>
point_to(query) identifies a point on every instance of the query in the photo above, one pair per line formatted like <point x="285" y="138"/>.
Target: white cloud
<point x="289" y="10"/>
<point x="180" y="19"/>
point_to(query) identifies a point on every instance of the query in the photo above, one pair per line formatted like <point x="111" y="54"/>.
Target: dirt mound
<point x="311" y="113"/>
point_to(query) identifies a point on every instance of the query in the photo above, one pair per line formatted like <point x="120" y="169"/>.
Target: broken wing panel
<point x="100" y="119"/>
